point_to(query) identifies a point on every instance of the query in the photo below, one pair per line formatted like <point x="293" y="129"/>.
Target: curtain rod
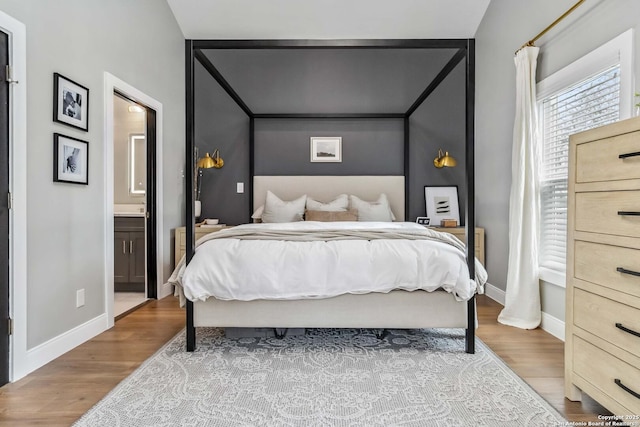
<point x="553" y="24"/>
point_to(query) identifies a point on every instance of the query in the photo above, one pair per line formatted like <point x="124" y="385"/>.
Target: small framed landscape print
<point x="70" y="160"/>
<point x="441" y="202"/>
<point x="70" y="102"/>
<point x="326" y="149"/>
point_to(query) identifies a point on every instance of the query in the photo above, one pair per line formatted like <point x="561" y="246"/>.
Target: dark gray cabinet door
<point x="121" y="257"/>
<point x="129" y="254"/>
<point x="137" y="265"/>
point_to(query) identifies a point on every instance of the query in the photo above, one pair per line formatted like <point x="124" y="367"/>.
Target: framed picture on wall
<point x="326" y="149"/>
<point x="70" y="102"/>
<point x="441" y="202"/>
<point x="70" y="160"/>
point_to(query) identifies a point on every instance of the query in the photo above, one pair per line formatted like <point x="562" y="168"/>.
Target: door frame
<point x="18" y="366"/>
<point x="113" y="84"/>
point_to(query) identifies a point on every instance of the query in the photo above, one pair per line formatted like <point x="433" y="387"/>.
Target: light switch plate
<point x="79" y="298"/>
<point x="240" y="187"/>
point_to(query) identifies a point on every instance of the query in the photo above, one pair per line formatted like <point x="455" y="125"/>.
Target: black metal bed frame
<point x="466" y="51"/>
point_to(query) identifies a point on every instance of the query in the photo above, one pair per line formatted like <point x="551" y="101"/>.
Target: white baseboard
<point x="553" y="325"/>
<point x="165" y="290"/>
<point x="56" y="347"/>
<point x="494" y="293"/>
<point x="550" y="324"/>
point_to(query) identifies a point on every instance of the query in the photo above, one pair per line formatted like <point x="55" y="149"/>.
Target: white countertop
<point x="129" y="210"/>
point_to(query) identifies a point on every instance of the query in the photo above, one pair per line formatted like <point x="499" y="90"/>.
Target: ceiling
<point x="328" y="19"/>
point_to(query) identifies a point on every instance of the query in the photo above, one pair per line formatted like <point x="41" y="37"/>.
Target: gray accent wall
<point x="329" y="80"/>
<point x="221" y="124"/>
<point x="439" y="123"/>
<point x="505" y="27"/>
<point x="65" y="237"/>
<point x="369" y="147"/>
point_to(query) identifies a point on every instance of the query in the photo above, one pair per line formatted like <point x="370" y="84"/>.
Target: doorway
<point x="131" y="209"/>
<point x="152" y="199"/>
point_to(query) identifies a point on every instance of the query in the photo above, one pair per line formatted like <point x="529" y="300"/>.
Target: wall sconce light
<point x="444" y="160"/>
<point x="207" y="161"/>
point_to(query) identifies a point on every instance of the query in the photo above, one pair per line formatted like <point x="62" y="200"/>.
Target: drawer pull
<point x="627" y="330"/>
<point x="628" y="213"/>
<point x="627" y="389"/>
<point x="625" y="271"/>
<point x="624" y="156"/>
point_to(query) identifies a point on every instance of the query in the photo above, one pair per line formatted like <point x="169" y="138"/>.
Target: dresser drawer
<point x="599" y="161"/>
<point x="597" y="212"/>
<point x="598" y="263"/>
<point x="602" y="369"/>
<point x="599" y="316"/>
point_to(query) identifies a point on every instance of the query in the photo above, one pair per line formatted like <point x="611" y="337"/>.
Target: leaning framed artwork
<point x="70" y="102"/>
<point x="441" y="202"/>
<point x="70" y="160"/>
<point x="326" y="149"/>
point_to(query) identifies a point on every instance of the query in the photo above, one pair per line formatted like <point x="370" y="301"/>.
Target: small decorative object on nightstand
<point x="423" y="220"/>
<point x="448" y="223"/>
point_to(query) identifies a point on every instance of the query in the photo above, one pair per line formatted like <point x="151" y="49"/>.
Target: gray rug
<point x="328" y="377"/>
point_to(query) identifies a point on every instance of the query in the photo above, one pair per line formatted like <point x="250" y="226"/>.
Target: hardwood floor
<point x="537" y="357"/>
<point x="60" y="392"/>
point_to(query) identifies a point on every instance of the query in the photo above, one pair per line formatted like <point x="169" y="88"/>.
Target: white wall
<point x="507" y="25"/>
<point x="139" y="42"/>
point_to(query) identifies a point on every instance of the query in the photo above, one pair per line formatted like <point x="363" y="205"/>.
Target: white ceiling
<point x="328" y="19"/>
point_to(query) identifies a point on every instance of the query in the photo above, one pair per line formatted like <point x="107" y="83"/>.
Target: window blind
<point x="588" y="104"/>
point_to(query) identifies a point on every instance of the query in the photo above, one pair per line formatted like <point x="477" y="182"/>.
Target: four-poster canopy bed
<point x="389" y="309"/>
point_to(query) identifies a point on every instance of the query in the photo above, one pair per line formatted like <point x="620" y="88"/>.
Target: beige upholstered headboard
<point x="326" y="188"/>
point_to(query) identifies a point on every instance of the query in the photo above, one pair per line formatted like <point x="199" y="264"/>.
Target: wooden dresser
<point x="459" y="232"/>
<point x="602" y="348"/>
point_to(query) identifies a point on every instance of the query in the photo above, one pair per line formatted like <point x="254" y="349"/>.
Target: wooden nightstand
<point x="181" y="239"/>
<point x="459" y="233"/>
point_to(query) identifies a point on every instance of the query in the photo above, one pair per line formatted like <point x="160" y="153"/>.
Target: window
<point x="587" y="94"/>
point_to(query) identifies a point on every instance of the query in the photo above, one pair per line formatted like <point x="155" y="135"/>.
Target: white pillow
<point x="257" y="214"/>
<point x="276" y="210"/>
<point x="340" y="204"/>
<point x="372" y="211"/>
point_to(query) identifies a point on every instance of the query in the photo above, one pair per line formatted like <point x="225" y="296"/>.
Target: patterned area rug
<point x="327" y="377"/>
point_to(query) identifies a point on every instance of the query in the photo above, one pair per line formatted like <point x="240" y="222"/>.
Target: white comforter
<point x="235" y="269"/>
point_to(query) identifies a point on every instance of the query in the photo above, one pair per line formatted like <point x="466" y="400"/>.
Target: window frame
<point x="617" y="51"/>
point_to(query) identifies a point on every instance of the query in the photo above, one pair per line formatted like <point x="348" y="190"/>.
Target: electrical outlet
<point x="240" y="187"/>
<point x="79" y="298"/>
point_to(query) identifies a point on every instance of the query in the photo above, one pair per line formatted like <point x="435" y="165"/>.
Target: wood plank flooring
<point x="60" y="392"/>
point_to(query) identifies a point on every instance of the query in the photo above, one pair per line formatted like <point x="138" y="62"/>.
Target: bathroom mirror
<point x="137" y="165"/>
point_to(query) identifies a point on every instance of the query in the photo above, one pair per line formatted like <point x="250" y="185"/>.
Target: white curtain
<point x="522" y="302"/>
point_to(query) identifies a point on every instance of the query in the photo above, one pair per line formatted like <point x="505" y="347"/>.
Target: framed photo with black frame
<point x="70" y="102"/>
<point x="70" y="160"/>
<point x="441" y="202"/>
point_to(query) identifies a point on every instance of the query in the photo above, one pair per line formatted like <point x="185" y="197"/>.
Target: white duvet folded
<point x="245" y="269"/>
